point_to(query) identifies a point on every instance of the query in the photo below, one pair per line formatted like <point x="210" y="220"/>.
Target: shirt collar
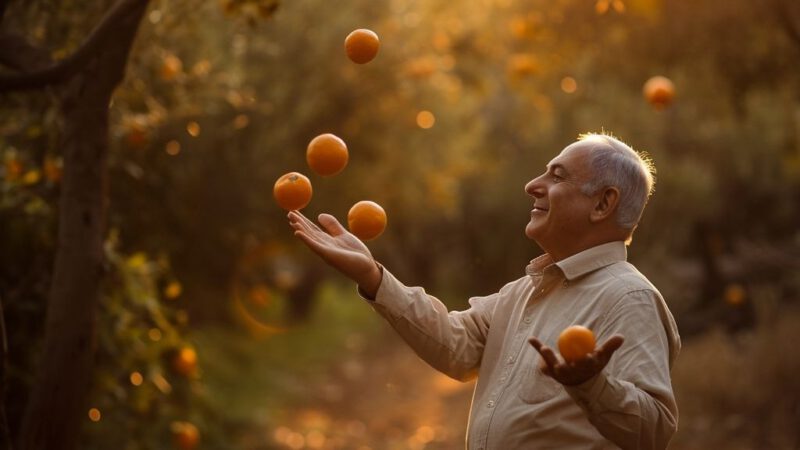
<point x="581" y="263"/>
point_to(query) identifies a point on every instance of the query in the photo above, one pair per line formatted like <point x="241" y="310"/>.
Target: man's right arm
<point x="452" y="342"/>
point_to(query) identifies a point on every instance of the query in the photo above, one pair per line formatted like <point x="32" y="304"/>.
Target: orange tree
<point x="65" y="123"/>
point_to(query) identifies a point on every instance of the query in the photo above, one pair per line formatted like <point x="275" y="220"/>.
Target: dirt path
<point x="385" y="399"/>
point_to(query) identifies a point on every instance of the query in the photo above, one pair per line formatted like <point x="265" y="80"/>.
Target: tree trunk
<point x="57" y="408"/>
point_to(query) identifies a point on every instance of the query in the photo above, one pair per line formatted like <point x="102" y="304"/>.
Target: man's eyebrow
<point x="553" y="167"/>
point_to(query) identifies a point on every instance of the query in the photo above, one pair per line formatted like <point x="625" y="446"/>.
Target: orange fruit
<point x="326" y="154"/>
<point x="292" y="191"/>
<point x="171" y="67"/>
<point x="361" y="45"/>
<point x="185" y="362"/>
<point x="185" y="435"/>
<point x="366" y="219"/>
<point x="659" y="91"/>
<point x="735" y="294"/>
<point x="575" y="342"/>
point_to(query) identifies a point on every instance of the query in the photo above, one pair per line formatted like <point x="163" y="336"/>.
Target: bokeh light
<point x="569" y="85"/>
<point x="94" y="415"/>
<point x="154" y="334"/>
<point x="173" y="147"/>
<point x="193" y="128"/>
<point x="425" y="119"/>
<point x="136" y="379"/>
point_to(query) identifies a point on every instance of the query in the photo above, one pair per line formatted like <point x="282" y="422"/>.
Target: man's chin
<point x="530" y="232"/>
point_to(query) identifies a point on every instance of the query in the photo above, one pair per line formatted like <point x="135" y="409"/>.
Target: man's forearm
<point x="625" y="414"/>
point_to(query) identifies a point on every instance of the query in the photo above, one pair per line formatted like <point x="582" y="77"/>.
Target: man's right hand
<point x="339" y="248"/>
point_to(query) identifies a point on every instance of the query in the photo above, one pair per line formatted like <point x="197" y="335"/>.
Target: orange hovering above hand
<point x="292" y="191"/>
<point x="361" y="46"/>
<point x="366" y="219"/>
<point x="575" y="342"/>
<point x="327" y="154"/>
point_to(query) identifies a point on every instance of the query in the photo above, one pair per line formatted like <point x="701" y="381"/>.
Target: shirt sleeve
<point x="631" y="402"/>
<point x="451" y="342"/>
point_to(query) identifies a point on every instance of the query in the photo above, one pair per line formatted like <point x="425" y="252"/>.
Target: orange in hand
<point x="659" y="91"/>
<point x="366" y="220"/>
<point x="361" y="45"/>
<point x="327" y="154"/>
<point x="575" y="342"/>
<point x="292" y="191"/>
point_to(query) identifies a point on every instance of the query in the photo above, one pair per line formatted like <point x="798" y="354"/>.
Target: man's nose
<point x="535" y="188"/>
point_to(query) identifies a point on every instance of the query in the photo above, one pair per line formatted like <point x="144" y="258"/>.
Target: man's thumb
<point x="331" y="225"/>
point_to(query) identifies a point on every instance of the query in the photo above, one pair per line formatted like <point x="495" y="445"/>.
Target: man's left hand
<point x="580" y="371"/>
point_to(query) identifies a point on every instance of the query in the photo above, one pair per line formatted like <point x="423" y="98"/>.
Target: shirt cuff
<point x="587" y="393"/>
<point x="363" y="294"/>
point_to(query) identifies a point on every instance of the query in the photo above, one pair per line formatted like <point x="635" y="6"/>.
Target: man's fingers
<point x="611" y="345"/>
<point x="331" y="225"/>
<point x="547" y="353"/>
<point x="304" y="221"/>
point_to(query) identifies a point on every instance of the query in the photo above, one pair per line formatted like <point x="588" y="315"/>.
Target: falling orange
<point x="361" y="45"/>
<point x="659" y="91"/>
<point x="327" y="154"/>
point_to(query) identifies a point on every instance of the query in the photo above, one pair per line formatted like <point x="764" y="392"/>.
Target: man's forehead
<point x="572" y="156"/>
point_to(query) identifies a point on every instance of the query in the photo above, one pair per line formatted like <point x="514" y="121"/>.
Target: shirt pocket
<point x="535" y="386"/>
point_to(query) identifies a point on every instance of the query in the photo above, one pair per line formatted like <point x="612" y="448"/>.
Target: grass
<point x="251" y="381"/>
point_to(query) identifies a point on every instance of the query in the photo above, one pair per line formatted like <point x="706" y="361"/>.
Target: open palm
<point x="337" y="246"/>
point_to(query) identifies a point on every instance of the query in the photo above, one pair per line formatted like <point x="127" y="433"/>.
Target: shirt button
<point x="527" y="320"/>
<point x="566" y="283"/>
<point x="490" y="404"/>
<point x="510" y="359"/>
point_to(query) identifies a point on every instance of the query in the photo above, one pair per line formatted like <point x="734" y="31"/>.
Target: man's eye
<point x="557" y="178"/>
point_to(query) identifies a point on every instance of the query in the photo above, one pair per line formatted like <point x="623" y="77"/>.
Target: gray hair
<point x="614" y="163"/>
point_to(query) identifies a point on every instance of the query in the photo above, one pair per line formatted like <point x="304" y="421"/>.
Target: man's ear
<point x="607" y="201"/>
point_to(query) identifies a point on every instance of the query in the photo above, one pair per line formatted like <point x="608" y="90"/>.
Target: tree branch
<point x="66" y="68"/>
<point x="19" y="54"/>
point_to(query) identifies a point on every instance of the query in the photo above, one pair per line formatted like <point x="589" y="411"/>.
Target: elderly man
<point x="585" y="208"/>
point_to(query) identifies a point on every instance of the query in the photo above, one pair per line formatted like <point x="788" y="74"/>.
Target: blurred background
<point x="215" y="329"/>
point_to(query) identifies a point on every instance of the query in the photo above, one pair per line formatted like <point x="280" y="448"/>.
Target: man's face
<point x="560" y="215"/>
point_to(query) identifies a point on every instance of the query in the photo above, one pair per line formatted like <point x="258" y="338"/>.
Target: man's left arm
<point x="627" y="397"/>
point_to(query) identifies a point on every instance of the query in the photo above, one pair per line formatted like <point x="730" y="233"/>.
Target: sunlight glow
<point x="315" y="439"/>
<point x="154" y="16"/>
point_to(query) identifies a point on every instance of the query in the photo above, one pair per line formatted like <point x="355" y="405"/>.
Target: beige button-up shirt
<point x="515" y="406"/>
